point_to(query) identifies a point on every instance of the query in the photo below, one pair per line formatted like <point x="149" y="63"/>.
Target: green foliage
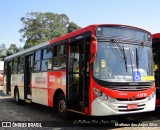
<point x="12" y="49"/>
<point x="41" y="27"/>
<point x="8" y="51"/>
<point x="2" y="51"/>
<point x="72" y="27"/>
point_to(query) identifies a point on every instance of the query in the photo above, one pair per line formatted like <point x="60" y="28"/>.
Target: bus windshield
<point x="126" y="62"/>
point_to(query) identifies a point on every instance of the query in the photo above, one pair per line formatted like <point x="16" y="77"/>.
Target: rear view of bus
<point x="123" y="80"/>
<point x="156" y="59"/>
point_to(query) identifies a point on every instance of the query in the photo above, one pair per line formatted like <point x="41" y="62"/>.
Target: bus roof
<point x="27" y="50"/>
<point x="90" y="28"/>
<point x="156" y="35"/>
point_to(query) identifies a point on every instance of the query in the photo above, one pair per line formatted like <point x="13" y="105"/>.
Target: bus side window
<point x="37" y="58"/>
<point x="46" y="59"/>
<point x="59" y="60"/>
<point x="14" y="66"/>
<point x="21" y="65"/>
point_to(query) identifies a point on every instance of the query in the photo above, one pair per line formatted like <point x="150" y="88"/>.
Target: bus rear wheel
<point x="16" y="97"/>
<point x="61" y="106"/>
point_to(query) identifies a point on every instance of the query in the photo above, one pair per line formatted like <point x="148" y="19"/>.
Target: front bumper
<point x="103" y="108"/>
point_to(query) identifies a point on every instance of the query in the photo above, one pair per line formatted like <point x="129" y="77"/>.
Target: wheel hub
<point x="62" y="106"/>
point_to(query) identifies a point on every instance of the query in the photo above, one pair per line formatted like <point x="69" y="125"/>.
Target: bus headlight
<point x="151" y="96"/>
<point x="112" y="100"/>
<point x="103" y="96"/>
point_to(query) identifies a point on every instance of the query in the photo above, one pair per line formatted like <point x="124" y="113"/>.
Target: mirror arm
<point x="93" y="59"/>
<point x="93" y="55"/>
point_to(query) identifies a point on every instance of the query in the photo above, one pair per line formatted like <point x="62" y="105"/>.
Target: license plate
<point x="132" y="106"/>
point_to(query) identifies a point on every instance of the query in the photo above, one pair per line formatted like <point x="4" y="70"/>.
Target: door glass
<point x="74" y="61"/>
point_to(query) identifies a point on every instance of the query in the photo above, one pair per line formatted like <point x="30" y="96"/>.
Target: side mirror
<point x="93" y="48"/>
<point x="93" y="45"/>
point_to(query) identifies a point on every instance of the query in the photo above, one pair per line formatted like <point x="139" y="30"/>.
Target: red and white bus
<point x="1" y="72"/>
<point x="99" y="70"/>
<point x="156" y="59"/>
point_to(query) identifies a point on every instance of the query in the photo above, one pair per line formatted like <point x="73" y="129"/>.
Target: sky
<point x="139" y="13"/>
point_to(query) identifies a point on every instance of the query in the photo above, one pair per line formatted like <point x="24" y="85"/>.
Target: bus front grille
<point x="131" y="110"/>
<point x="124" y="99"/>
<point x="130" y="88"/>
<point x="125" y="108"/>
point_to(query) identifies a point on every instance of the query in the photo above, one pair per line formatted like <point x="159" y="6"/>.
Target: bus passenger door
<point x="78" y="76"/>
<point x="27" y="76"/>
<point x="8" y="76"/>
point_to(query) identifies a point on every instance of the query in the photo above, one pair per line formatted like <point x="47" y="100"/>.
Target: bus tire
<point x="16" y="96"/>
<point x="61" y="106"/>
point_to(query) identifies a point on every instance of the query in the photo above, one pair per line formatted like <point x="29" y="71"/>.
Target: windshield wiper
<point x="121" y="48"/>
<point x="125" y="58"/>
<point x="137" y="59"/>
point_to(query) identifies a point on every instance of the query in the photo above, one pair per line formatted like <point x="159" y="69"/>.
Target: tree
<point x="41" y="27"/>
<point x="2" y="50"/>
<point x="7" y="52"/>
<point x="72" y="27"/>
<point x="12" y="49"/>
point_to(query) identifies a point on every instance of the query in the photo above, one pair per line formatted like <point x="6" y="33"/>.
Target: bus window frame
<point x="60" y="56"/>
<point x="51" y="58"/>
<point x="37" y="70"/>
<point x="13" y="65"/>
<point x="21" y="65"/>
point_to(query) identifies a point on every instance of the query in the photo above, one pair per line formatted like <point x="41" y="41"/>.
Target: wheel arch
<point x="55" y="97"/>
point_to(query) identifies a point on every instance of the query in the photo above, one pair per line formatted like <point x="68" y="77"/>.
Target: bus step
<point x="28" y="96"/>
<point x="27" y="100"/>
<point x="82" y="105"/>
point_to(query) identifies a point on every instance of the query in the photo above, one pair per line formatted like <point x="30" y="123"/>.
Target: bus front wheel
<point x="61" y="106"/>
